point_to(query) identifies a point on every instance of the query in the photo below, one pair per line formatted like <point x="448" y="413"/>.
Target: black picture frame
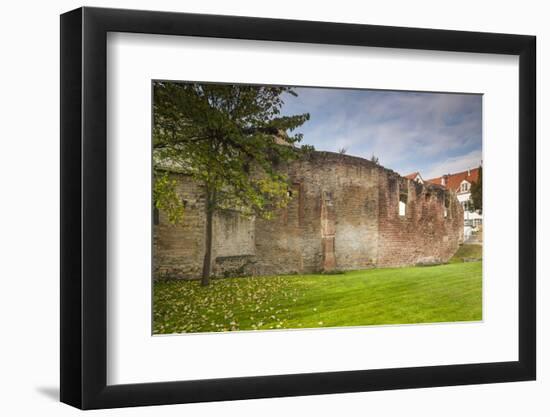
<point x="84" y="207"/>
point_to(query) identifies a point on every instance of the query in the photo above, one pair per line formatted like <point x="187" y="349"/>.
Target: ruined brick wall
<point x="178" y="250"/>
<point x="430" y="230"/>
<point x="331" y="221"/>
<point x="344" y="214"/>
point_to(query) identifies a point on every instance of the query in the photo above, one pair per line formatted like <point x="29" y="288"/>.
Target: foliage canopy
<point x="231" y="139"/>
<point x="477" y="192"/>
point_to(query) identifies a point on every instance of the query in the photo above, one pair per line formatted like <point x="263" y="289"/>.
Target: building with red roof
<point x="415" y="176"/>
<point x="461" y="183"/>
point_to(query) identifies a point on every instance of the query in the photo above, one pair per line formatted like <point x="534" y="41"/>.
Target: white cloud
<point x="455" y="164"/>
<point x="408" y="131"/>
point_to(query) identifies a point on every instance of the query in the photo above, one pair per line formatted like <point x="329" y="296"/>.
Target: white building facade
<point x="461" y="183"/>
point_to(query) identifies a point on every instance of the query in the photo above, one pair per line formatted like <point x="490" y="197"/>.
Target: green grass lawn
<point x="442" y="293"/>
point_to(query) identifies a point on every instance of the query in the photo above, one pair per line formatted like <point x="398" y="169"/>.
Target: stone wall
<point x="430" y="230"/>
<point x="178" y="250"/>
<point x="343" y="214"/>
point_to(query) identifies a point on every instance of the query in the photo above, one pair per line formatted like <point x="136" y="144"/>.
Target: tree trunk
<point x="207" y="264"/>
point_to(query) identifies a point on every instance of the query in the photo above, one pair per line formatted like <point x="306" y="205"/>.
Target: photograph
<point x="289" y="207"/>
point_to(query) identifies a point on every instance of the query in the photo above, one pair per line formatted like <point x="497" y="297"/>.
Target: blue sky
<point x="433" y="133"/>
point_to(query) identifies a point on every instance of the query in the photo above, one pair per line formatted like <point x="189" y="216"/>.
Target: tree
<point x="374" y="159"/>
<point x="166" y="198"/>
<point x="477" y="192"/>
<point x="231" y="139"/>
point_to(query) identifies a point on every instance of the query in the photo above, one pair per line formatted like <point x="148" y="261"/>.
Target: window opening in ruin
<point x="402" y="208"/>
<point x="402" y="204"/>
<point x="446" y="205"/>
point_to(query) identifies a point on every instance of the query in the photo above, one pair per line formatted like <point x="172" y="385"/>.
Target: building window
<point x="465" y="186"/>
<point x="445" y="212"/>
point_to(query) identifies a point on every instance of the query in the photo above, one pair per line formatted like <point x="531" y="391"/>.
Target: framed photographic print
<point x="256" y="208"/>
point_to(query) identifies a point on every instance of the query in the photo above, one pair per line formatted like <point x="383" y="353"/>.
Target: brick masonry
<point x="343" y="214"/>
